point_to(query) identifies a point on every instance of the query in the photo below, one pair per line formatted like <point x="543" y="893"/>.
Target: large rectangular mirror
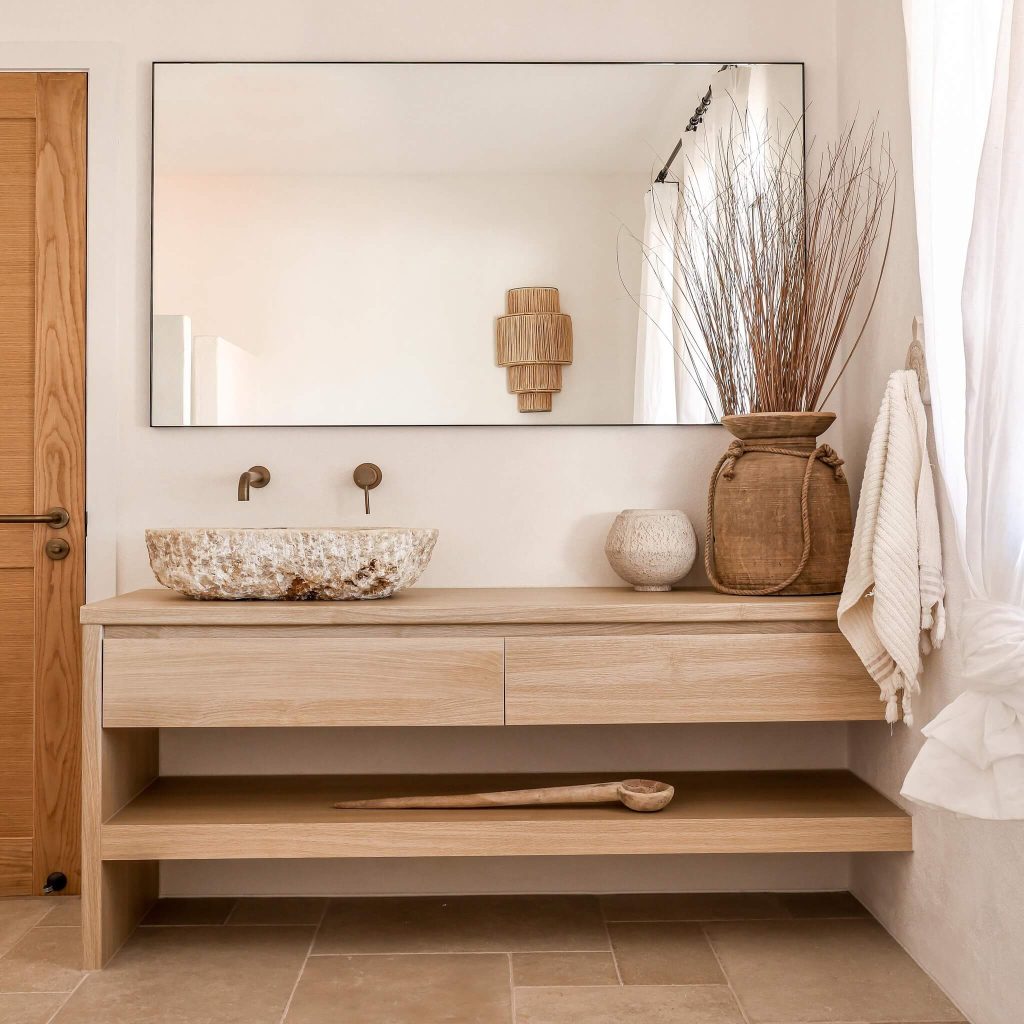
<point x="453" y="244"/>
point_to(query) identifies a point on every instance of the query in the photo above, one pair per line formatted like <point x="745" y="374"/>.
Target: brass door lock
<point x="57" y="549"/>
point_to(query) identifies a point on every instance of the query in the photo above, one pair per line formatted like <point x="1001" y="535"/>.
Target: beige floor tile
<point x="664" y="953"/>
<point x="17" y="916"/>
<point x="693" y="906"/>
<point x="64" y="912"/>
<point x="44" y="960"/>
<point x="823" y="904"/>
<point x="188" y="911"/>
<point x="29" y="1008"/>
<point x="283" y="910"/>
<point x="416" y="989"/>
<point x="201" y="975"/>
<point x="563" y="969"/>
<point x="463" y="924"/>
<point x="684" y="1004"/>
<point x="825" y="970"/>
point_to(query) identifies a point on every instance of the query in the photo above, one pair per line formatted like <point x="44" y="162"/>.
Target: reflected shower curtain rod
<point x="691" y="126"/>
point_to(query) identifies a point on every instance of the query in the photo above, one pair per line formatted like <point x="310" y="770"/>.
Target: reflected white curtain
<point x="659" y="394"/>
<point x="671" y="379"/>
<point x="966" y="66"/>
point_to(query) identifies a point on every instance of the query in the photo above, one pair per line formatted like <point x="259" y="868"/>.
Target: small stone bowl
<point x="651" y="548"/>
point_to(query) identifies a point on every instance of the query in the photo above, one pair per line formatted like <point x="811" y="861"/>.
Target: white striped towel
<point x="891" y="608"/>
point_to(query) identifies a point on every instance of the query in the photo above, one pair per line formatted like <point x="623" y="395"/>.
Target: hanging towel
<point x="891" y="608"/>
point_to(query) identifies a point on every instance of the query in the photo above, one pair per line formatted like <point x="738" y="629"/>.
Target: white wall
<point x="556" y="490"/>
<point x="957" y="904"/>
<point x="515" y="507"/>
<point x="336" y="283"/>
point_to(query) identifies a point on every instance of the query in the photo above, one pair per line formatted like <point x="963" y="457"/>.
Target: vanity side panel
<point x="116" y="767"/>
<point x="600" y="680"/>
<point x="92" y="796"/>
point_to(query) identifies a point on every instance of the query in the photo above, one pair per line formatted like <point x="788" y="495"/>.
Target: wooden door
<point x="42" y="458"/>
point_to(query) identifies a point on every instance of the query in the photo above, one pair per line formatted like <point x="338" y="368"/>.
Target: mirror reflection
<point x="451" y="244"/>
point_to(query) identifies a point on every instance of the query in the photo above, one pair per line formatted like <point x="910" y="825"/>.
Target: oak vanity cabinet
<point x="496" y="658"/>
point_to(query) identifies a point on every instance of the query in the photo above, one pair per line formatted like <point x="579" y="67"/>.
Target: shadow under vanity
<point x="431" y="657"/>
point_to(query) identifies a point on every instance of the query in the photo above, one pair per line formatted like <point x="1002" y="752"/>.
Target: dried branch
<point x="769" y="260"/>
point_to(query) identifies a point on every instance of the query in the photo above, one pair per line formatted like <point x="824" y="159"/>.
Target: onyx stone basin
<point x="319" y="564"/>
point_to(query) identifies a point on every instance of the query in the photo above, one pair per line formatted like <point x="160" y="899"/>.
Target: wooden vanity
<point x="496" y="658"/>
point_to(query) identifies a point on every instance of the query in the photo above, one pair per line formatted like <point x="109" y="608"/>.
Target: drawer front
<point x="766" y="677"/>
<point x="291" y="681"/>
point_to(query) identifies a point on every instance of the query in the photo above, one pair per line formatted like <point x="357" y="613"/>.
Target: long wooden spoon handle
<point x="598" y="793"/>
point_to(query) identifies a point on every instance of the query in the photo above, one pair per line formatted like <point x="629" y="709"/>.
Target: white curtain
<point x="966" y="68"/>
<point x="660" y="384"/>
<point x="667" y="369"/>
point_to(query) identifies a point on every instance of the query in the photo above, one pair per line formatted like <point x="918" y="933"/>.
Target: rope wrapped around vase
<point x="726" y="467"/>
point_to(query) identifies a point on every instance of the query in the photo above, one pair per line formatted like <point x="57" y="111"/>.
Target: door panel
<point x="17" y="696"/>
<point x="59" y="468"/>
<point x="17" y="312"/>
<point x="17" y="404"/>
<point x="42" y="455"/>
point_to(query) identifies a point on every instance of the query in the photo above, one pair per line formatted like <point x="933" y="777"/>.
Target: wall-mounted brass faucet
<point x="254" y="476"/>
<point x="367" y="476"/>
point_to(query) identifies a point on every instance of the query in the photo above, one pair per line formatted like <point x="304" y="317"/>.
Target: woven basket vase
<point x="755" y="531"/>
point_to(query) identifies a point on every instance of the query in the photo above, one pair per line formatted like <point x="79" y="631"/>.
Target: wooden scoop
<point x="637" y="794"/>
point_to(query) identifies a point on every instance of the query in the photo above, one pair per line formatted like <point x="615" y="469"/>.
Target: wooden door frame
<point x="57" y="102"/>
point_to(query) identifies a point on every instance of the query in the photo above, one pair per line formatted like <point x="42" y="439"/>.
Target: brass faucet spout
<point x="367" y="476"/>
<point x="254" y="476"/>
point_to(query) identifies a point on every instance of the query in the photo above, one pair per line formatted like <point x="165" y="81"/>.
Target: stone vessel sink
<point x="321" y="564"/>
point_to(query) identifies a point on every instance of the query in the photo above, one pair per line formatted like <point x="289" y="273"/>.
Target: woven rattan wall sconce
<point x="534" y="342"/>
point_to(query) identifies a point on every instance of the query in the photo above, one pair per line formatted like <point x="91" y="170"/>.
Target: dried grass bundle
<point x="769" y="262"/>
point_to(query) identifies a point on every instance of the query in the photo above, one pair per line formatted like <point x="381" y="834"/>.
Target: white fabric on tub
<point x="973" y="760"/>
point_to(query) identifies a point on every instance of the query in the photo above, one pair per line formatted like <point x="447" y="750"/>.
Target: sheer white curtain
<point x="667" y="372"/>
<point x="660" y="383"/>
<point x="966" y="68"/>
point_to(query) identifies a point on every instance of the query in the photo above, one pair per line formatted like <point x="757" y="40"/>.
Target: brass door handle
<point x="58" y="518"/>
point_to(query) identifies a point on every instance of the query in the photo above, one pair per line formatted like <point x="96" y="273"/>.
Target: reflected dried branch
<point x="769" y="261"/>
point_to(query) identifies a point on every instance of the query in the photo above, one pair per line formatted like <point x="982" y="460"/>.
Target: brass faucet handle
<point x="367" y="476"/>
<point x="254" y="476"/>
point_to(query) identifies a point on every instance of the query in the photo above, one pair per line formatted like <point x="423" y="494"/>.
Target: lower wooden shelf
<point x="228" y="817"/>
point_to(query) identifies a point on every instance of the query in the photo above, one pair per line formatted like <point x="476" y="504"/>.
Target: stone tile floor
<point x="759" y="958"/>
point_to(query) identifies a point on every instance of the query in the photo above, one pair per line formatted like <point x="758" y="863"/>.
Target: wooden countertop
<point x="436" y="606"/>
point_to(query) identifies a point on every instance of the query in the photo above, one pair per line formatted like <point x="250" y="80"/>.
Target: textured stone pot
<point x="651" y="548"/>
<point x="758" y="541"/>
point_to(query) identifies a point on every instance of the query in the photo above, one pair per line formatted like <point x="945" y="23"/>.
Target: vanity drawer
<point x="291" y="681"/>
<point x="748" y="677"/>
